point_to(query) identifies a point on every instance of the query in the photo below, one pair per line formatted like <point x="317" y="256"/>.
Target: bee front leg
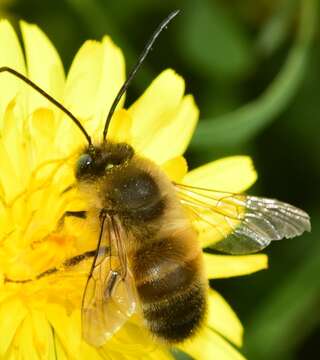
<point x="76" y="214"/>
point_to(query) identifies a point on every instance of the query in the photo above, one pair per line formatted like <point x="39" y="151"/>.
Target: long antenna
<point x="48" y="97"/>
<point x="145" y="52"/>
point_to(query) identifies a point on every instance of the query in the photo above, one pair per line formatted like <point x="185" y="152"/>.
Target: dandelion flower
<point x="40" y="319"/>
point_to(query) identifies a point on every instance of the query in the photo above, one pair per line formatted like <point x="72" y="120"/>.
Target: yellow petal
<point x="234" y="174"/>
<point x="11" y="56"/>
<point x="89" y="352"/>
<point x="159" y="354"/>
<point x="133" y="340"/>
<point x="223" y="266"/>
<point x="60" y="351"/>
<point x="42" y="129"/>
<point x="13" y="154"/>
<point x="66" y="327"/>
<point x="43" y="336"/>
<point x="81" y="92"/>
<point x="24" y="342"/>
<point x="116" y="351"/>
<point x="223" y="319"/>
<point x="173" y="139"/>
<point x="12" y="313"/>
<point x="175" y="168"/>
<point x="42" y="124"/>
<point x="84" y="78"/>
<point x="208" y="345"/>
<point x="120" y="127"/>
<point x="94" y="79"/>
<point x="44" y="67"/>
<point x="156" y="108"/>
<point x="113" y="77"/>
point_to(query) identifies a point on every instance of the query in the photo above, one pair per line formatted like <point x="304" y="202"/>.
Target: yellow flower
<point x="40" y="319"/>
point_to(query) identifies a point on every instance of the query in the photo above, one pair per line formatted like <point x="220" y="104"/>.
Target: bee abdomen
<point x="173" y="297"/>
<point x="176" y="318"/>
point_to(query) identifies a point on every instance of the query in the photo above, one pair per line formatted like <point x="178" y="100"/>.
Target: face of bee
<point x="102" y="160"/>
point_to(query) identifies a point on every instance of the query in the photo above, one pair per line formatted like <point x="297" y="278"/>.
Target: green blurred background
<point x="254" y="68"/>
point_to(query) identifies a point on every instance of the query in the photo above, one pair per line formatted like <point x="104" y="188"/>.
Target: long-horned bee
<point x="148" y="258"/>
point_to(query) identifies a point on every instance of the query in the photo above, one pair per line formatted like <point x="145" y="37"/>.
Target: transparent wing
<point x="110" y="295"/>
<point x="240" y="224"/>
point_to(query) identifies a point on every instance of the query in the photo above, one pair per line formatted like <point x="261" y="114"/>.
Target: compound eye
<point x="84" y="162"/>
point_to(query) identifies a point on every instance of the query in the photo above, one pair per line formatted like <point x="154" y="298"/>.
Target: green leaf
<point x="180" y="355"/>
<point x="212" y="41"/>
<point x="246" y="122"/>
<point x="287" y="316"/>
<point x="277" y="27"/>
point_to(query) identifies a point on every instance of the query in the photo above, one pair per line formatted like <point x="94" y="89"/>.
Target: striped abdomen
<point x="171" y="288"/>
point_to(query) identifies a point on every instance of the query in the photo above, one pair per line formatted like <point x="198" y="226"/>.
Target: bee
<point x="148" y="257"/>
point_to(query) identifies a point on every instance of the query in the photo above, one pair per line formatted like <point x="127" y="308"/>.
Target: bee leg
<point x="69" y="188"/>
<point x="76" y="214"/>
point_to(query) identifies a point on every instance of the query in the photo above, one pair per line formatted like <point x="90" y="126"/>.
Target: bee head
<point x="100" y="161"/>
